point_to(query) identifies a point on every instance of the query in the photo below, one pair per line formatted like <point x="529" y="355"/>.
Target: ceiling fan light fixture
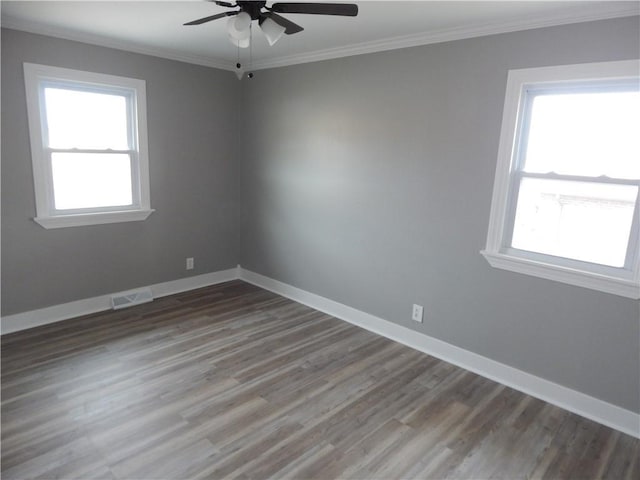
<point x="272" y="24"/>
<point x="239" y="26"/>
<point x="240" y="42"/>
<point x="272" y="30"/>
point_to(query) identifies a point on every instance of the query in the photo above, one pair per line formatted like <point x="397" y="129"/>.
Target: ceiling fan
<point x="271" y="23"/>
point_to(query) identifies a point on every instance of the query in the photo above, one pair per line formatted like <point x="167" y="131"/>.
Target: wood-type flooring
<point x="232" y="381"/>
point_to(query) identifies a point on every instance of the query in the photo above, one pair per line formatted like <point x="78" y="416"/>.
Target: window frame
<point x="37" y="78"/>
<point x="522" y="86"/>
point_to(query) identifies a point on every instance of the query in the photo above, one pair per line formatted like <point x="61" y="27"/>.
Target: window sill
<point x="579" y="278"/>
<point x="62" y="221"/>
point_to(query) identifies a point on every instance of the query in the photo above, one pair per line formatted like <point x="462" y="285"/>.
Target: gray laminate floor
<point x="233" y="381"/>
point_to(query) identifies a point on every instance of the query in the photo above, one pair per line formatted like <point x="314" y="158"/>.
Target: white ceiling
<point x="155" y="27"/>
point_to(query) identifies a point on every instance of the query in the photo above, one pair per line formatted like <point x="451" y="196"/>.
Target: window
<point x="88" y="147"/>
<point x="565" y="204"/>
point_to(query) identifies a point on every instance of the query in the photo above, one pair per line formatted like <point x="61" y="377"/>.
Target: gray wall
<point x="368" y="180"/>
<point x="193" y="175"/>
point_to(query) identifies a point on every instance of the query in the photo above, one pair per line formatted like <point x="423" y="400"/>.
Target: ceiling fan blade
<point x="200" y="21"/>
<point x="290" y="27"/>
<point x="225" y="4"/>
<point x="343" y="9"/>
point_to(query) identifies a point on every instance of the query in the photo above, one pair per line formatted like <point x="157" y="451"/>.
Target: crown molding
<point x="101" y="41"/>
<point x="605" y="12"/>
<point x="447" y="35"/>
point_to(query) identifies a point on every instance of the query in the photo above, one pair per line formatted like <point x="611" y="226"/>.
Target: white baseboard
<point x="57" y="313"/>
<point x="584" y="405"/>
<point x="597" y="410"/>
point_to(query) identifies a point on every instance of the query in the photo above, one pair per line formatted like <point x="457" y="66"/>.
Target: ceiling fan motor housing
<point x="252" y="8"/>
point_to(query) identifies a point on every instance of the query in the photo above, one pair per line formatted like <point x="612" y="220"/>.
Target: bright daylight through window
<point x="565" y="203"/>
<point x="88" y="141"/>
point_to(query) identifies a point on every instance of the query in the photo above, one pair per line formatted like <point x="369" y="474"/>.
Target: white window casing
<point x="522" y="86"/>
<point x="133" y="92"/>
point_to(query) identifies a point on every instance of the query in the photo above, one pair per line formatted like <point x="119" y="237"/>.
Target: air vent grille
<point x="129" y="299"/>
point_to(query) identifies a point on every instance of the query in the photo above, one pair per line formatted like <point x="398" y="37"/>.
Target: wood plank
<point x="232" y="381"/>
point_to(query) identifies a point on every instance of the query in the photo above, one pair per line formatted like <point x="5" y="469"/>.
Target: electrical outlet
<point x="190" y="263"/>
<point x="416" y="314"/>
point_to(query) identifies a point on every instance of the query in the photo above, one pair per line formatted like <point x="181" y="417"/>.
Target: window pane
<point x="91" y="180"/>
<point x="77" y="119"/>
<point x="588" y="134"/>
<point x="577" y="220"/>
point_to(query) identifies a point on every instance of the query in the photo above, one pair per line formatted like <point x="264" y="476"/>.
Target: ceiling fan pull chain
<point x="250" y="74"/>
<point x="239" y="72"/>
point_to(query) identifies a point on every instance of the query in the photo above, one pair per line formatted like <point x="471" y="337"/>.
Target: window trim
<point x="619" y="281"/>
<point x="36" y="77"/>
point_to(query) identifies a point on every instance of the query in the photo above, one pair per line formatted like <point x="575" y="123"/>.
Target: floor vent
<point x="129" y="299"/>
